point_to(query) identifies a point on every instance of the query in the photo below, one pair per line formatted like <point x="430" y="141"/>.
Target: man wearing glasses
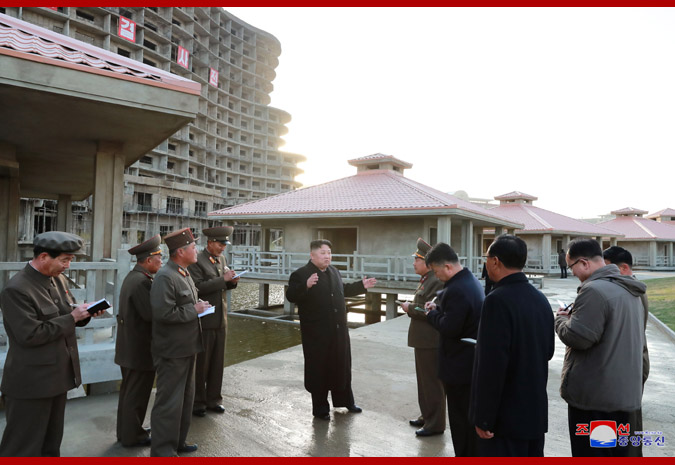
<point x="509" y="404"/>
<point x="604" y="335"/>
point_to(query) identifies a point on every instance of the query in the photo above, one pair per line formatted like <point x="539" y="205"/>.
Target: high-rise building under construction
<point x="228" y="155"/>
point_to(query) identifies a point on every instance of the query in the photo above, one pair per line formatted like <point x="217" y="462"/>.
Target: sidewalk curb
<point x="662" y="327"/>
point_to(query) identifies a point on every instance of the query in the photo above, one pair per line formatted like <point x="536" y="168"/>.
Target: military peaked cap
<point x="147" y="248"/>
<point x="219" y="233"/>
<point x="178" y="239"/>
<point x="59" y="241"/>
<point x="422" y="249"/>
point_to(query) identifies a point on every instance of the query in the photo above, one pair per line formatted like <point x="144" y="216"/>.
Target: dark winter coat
<point x="457" y="317"/>
<point x="323" y="326"/>
<point x="134" y="322"/>
<point x="515" y="343"/>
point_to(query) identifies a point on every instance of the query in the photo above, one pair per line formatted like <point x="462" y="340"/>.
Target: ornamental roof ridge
<point x="27" y="38"/>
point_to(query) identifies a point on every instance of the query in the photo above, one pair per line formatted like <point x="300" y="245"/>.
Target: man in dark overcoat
<point x="562" y="263"/>
<point x="212" y="278"/>
<point x="509" y="404"/>
<point x="425" y="340"/>
<point x="42" y="364"/>
<point x="456" y="316"/>
<point x="132" y="345"/>
<point x="176" y="340"/>
<point x="319" y="292"/>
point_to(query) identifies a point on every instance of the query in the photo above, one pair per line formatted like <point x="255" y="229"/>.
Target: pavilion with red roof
<point x="373" y="219"/>
<point x="377" y="211"/>
<point x="545" y="232"/>
<point x="667" y="215"/>
<point x="650" y="242"/>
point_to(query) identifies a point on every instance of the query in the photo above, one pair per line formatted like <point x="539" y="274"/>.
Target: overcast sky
<point x="574" y="106"/>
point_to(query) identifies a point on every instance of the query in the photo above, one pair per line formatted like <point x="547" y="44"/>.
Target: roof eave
<point x="369" y="213"/>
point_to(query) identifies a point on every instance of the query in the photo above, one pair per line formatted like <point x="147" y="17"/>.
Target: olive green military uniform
<point x="176" y="339"/>
<point x="426" y="340"/>
<point x="132" y="348"/>
<point x="207" y="274"/>
<point x="42" y="362"/>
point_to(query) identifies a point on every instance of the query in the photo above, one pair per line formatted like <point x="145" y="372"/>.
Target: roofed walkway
<point x="268" y="411"/>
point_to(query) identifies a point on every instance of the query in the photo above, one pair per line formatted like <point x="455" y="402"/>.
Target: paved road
<point x="268" y="411"/>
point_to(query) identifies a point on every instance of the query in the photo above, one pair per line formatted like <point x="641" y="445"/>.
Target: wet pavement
<point x="269" y="412"/>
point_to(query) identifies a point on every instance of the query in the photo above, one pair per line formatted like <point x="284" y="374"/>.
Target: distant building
<point x="228" y="155"/>
<point x="545" y="232"/>
<point x="663" y="216"/>
<point x="650" y="242"/>
<point x="377" y="211"/>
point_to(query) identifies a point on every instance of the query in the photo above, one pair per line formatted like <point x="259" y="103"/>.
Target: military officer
<point x="42" y="364"/>
<point x="212" y="278"/>
<point x="176" y="339"/>
<point x="425" y="341"/>
<point x="132" y="347"/>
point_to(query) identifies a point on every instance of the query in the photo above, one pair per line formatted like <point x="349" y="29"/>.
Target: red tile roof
<point x="629" y="211"/>
<point x="367" y="191"/>
<point x="635" y="228"/>
<point x="664" y="212"/>
<point x="37" y="43"/>
<point x="516" y="195"/>
<point x="380" y="157"/>
<point x="537" y="219"/>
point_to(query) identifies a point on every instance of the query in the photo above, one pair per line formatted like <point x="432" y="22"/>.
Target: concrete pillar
<point x="9" y="204"/>
<point x="106" y="230"/>
<point x="652" y="254"/>
<point x="64" y="218"/>
<point x="499" y="230"/>
<point x="566" y="242"/>
<point x="671" y="258"/>
<point x="613" y="241"/>
<point x="289" y="307"/>
<point x="444" y="229"/>
<point x="263" y="296"/>
<point x="546" y="252"/>
<point x="463" y="250"/>
<point x="391" y="306"/>
<point x="373" y="307"/>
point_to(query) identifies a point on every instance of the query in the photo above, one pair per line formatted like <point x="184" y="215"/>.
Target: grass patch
<point x="661" y="294"/>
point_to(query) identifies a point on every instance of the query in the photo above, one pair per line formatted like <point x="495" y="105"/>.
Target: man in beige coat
<point x="425" y="340"/>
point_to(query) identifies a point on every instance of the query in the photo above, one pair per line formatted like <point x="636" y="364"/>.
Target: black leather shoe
<point x="217" y="409"/>
<point x="355" y="409"/>
<point x="187" y="448"/>
<point x="417" y="423"/>
<point x="322" y="416"/>
<point x="425" y="432"/>
<point x="199" y="412"/>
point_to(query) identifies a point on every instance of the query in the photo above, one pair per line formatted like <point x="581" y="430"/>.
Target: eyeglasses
<point x="569" y="267"/>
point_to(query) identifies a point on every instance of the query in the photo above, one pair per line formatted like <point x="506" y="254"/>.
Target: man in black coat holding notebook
<point x="455" y="315"/>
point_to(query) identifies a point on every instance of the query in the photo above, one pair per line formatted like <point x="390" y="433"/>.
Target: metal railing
<point x="280" y="264"/>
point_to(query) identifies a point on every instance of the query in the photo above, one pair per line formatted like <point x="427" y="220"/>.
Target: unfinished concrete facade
<point x="228" y="155"/>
